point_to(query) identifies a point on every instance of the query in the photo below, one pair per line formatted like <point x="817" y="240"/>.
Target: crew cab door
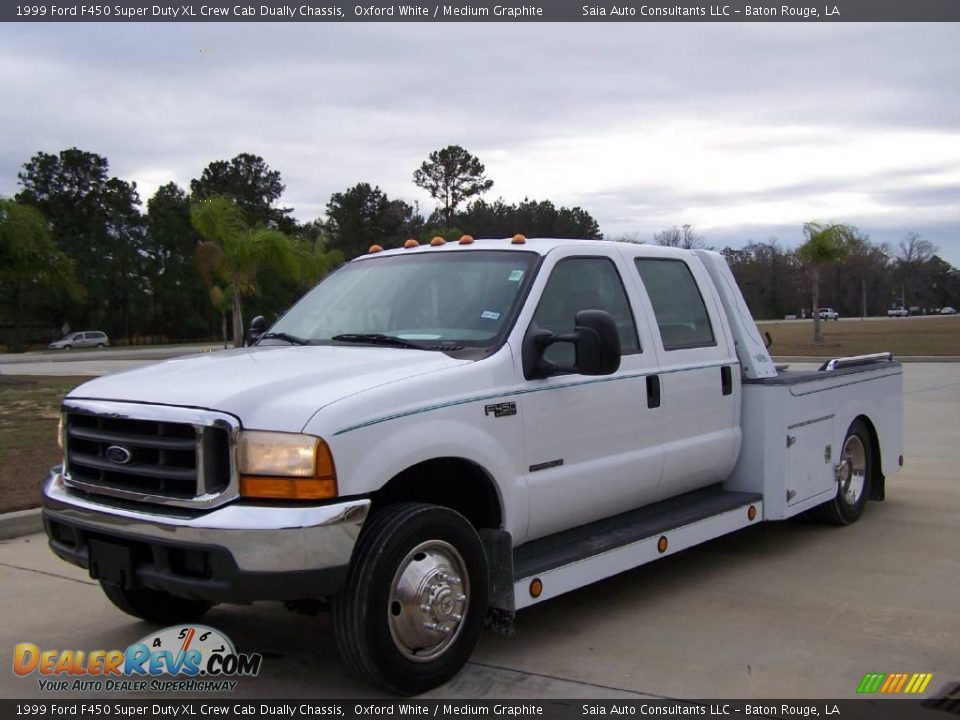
<point x="592" y="444"/>
<point x="699" y="370"/>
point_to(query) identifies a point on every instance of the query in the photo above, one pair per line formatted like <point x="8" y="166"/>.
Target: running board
<point x="571" y="559"/>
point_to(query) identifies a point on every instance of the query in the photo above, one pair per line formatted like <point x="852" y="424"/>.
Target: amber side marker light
<point x="466" y="240"/>
<point x="752" y="512"/>
<point x="375" y="249"/>
<point x="662" y="544"/>
<point x="536" y="587"/>
<point x="280" y="488"/>
<point x="411" y="243"/>
<point x="437" y="241"/>
<point x="518" y="239"/>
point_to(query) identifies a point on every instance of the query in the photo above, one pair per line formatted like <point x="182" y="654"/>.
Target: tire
<point x="155" y="606"/>
<point x="68" y="347"/>
<point x="100" y="346"/>
<point x="414" y="600"/>
<point x="853" y="479"/>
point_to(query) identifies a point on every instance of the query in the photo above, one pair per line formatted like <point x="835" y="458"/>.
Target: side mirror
<point x="596" y="343"/>
<point x="258" y="326"/>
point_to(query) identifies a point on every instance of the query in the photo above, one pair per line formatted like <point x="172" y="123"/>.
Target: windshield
<point x="428" y="299"/>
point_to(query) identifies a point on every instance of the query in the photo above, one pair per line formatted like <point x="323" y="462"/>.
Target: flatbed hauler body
<point x="438" y="436"/>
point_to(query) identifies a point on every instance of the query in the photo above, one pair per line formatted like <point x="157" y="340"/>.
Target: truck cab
<point x="439" y="435"/>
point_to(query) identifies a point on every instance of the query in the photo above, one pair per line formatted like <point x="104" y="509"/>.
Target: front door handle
<point x="726" y="380"/>
<point x="653" y="391"/>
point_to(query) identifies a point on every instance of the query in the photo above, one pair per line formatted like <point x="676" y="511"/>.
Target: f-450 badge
<point x="500" y="409"/>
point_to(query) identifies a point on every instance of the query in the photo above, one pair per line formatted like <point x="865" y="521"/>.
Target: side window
<point x="584" y="284"/>
<point x="677" y="304"/>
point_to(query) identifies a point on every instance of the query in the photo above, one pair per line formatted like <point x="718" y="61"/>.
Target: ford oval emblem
<point x="118" y="454"/>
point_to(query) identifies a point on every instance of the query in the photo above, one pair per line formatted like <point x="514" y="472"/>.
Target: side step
<point x="573" y="558"/>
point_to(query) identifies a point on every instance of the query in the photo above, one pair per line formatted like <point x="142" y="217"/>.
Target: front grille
<point x="147" y="457"/>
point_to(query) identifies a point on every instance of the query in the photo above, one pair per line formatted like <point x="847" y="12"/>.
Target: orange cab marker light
<point x="662" y="544"/>
<point x="536" y="587"/>
<point x="518" y="239"/>
<point x="411" y="243"/>
<point x="466" y="239"/>
<point x="375" y="249"/>
<point x="437" y="241"/>
<point x="751" y="512"/>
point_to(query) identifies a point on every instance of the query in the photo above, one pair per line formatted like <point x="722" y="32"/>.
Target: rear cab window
<point x="678" y="306"/>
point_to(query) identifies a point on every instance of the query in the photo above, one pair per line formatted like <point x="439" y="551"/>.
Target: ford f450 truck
<point x="440" y="435"/>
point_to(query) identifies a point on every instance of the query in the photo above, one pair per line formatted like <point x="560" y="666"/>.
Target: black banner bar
<point x="881" y="709"/>
<point x="510" y="11"/>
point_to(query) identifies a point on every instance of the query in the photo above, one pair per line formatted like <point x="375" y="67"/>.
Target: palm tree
<point x="826" y="243"/>
<point x="235" y="251"/>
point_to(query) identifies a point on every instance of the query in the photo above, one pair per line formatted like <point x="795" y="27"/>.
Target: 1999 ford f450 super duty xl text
<point x="444" y="434"/>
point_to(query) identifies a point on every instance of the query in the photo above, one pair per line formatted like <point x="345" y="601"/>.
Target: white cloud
<point x="741" y="130"/>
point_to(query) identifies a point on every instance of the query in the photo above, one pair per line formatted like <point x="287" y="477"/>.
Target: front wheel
<point x="853" y="474"/>
<point x="415" y="597"/>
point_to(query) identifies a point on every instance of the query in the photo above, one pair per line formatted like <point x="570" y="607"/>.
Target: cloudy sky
<point x="744" y="131"/>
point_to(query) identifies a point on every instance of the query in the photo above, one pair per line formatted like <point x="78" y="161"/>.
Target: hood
<point x="276" y="388"/>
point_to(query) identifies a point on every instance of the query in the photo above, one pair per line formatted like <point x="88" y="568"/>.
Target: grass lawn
<point x="29" y="410"/>
<point x="903" y="336"/>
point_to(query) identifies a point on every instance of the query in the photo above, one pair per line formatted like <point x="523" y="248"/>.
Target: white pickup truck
<point x="440" y="435"/>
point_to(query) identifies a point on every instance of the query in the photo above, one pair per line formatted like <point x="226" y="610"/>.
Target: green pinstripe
<point x="523" y="391"/>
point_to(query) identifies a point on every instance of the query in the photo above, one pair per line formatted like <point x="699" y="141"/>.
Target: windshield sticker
<point x="490" y="315"/>
<point x="516" y="276"/>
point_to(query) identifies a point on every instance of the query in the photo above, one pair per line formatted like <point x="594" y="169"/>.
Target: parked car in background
<point x="898" y="312"/>
<point x="87" y="338"/>
<point x="829" y="314"/>
<point x="948" y="310"/>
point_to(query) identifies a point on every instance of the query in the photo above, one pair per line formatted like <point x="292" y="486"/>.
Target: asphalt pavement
<point x="782" y="610"/>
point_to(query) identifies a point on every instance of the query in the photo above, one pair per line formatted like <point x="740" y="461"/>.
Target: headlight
<point x="285" y="466"/>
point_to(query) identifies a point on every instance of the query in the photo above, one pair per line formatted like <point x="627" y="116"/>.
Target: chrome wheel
<point x="429" y="597"/>
<point x="852" y="470"/>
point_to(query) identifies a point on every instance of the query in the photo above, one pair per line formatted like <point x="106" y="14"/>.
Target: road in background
<point x="69" y="363"/>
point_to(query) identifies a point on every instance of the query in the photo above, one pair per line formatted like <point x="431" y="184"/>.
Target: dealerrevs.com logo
<point x="191" y="658"/>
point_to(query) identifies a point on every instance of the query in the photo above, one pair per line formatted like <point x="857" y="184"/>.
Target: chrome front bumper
<point x="265" y="542"/>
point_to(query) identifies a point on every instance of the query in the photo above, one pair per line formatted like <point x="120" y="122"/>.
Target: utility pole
<point x="863" y="297"/>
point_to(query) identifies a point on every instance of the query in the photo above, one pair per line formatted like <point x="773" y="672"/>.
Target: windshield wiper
<point x="379" y="339"/>
<point x="292" y="339"/>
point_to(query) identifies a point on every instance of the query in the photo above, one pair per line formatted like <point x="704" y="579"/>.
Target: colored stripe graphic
<point x="894" y="683"/>
<point x="871" y="682"/>
<point x="919" y="683"/>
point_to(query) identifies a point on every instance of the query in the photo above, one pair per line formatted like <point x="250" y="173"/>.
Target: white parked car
<point x="898" y="312"/>
<point x="829" y="314"/>
<point x="87" y="338"/>
<point x="948" y="310"/>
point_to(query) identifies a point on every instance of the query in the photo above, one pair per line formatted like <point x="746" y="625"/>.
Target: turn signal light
<point x="280" y="488"/>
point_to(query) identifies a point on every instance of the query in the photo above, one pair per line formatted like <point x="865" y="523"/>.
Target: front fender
<point x="367" y="458"/>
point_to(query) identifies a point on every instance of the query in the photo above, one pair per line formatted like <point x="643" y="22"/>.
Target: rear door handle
<point x="653" y="391"/>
